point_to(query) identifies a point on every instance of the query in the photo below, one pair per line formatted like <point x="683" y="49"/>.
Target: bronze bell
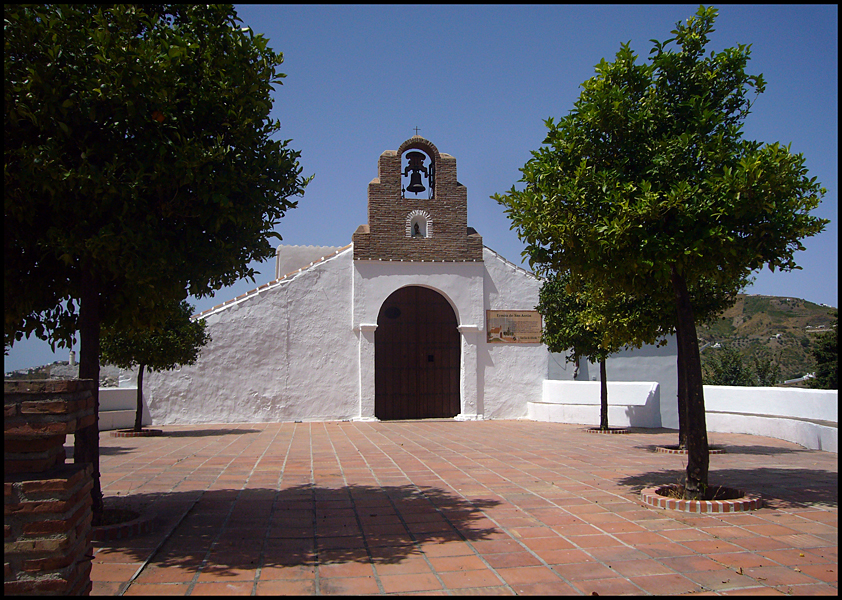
<point x="416" y="165"/>
<point x="415" y="186"/>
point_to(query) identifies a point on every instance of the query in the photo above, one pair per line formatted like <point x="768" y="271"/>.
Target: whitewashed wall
<point x="648" y="363"/>
<point x="302" y="348"/>
<point x="287" y="353"/>
<point x="630" y="404"/>
<point x="118" y="408"/>
<point x="510" y="375"/>
<point x="806" y="417"/>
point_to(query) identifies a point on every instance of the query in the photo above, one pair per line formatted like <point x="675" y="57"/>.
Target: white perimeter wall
<point x="648" y="363"/>
<point x="630" y="404"/>
<point x="806" y="417"/>
<point x="118" y="407"/>
<point x="287" y="353"/>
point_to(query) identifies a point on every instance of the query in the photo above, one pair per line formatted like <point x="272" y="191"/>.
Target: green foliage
<point x="569" y="325"/>
<point x="728" y="366"/>
<point x="725" y="366"/>
<point x="649" y="173"/>
<point x="767" y="372"/>
<point x="177" y="341"/>
<point x="139" y="151"/>
<point x="648" y="187"/>
<point x="824" y="349"/>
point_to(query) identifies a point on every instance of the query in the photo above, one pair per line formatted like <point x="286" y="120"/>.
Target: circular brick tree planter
<point x="734" y="500"/>
<point x="609" y="430"/>
<point x="675" y="450"/>
<point x="134" y="524"/>
<point x="133" y="433"/>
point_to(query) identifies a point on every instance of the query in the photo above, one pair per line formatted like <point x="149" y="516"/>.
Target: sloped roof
<point x="271" y="284"/>
<point x="323" y="259"/>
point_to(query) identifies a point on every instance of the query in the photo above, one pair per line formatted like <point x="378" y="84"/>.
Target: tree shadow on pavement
<point x="207" y="432"/>
<point x="734" y="449"/>
<point x="299" y="526"/>
<point x="779" y="487"/>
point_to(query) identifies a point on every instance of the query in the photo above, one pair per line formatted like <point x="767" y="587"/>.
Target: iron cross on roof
<point x="416" y="131"/>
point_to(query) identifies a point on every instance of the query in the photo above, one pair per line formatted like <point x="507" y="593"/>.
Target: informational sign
<point x="513" y="326"/>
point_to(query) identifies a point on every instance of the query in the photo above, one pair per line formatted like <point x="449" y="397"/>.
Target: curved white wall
<point x="806" y="417"/>
<point x="773" y="401"/>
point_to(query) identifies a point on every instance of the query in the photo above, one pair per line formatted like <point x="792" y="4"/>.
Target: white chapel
<point x="413" y="319"/>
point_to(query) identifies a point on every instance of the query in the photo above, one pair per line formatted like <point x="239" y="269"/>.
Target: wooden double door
<point x="416" y="357"/>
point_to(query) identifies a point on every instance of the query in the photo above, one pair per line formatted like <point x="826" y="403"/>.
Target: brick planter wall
<point x="47" y="503"/>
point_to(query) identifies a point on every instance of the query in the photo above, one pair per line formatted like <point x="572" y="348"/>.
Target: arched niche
<point x="419" y="224"/>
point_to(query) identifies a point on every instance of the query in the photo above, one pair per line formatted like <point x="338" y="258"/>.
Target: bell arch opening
<point x="418" y="167"/>
<point x="416" y="357"/>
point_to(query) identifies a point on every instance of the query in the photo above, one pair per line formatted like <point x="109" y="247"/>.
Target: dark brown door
<point x="416" y="357"/>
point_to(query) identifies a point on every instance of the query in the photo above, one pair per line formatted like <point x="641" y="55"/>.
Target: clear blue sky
<point x="478" y="81"/>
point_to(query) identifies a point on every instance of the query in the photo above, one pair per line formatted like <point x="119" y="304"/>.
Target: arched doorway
<point x="416" y="357"/>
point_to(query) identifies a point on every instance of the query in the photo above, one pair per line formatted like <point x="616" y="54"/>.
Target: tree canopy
<point x="138" y="149"/>
<point x="141" y="166"/>
<point x="728" y="366"/>
<point x="177" y="341"/>
<point x="648" y="185"/>
<point x="580" y="319"/>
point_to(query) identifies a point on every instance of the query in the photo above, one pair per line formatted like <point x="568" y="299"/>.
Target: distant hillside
<point x="770" y="326"/>
<point x="109" y="375"/>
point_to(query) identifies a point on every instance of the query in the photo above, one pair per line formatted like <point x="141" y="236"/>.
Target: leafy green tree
<point x="607" y="319"/>
<point x="648" y="184"/>
<point x="825" y="352"/>
<point x="729" y="366"/>
<point x="176" y="342"/>
<point x="140" y="168"/>
<point x="571" y="324"/>
<point x="725" y="366"/>
<point x="766" y="371"/>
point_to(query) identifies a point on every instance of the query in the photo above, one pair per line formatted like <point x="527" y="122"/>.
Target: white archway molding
<point x="461" y="284"/>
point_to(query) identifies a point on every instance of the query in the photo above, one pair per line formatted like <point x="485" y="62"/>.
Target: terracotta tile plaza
<point x="442" y="507"/>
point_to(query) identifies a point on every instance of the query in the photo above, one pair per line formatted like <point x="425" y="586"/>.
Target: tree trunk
<point x="603" y="396"/>
<point x="697" y="439"/>
<point x="682" y="396"/>
<point x="138" y="415"/>
<point x="86" y="441"/>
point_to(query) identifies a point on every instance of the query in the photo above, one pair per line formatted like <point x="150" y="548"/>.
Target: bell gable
<point x="417" y="210"/>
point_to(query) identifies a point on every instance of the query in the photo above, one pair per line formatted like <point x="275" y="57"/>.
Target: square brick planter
<point x="47" y="503"/>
